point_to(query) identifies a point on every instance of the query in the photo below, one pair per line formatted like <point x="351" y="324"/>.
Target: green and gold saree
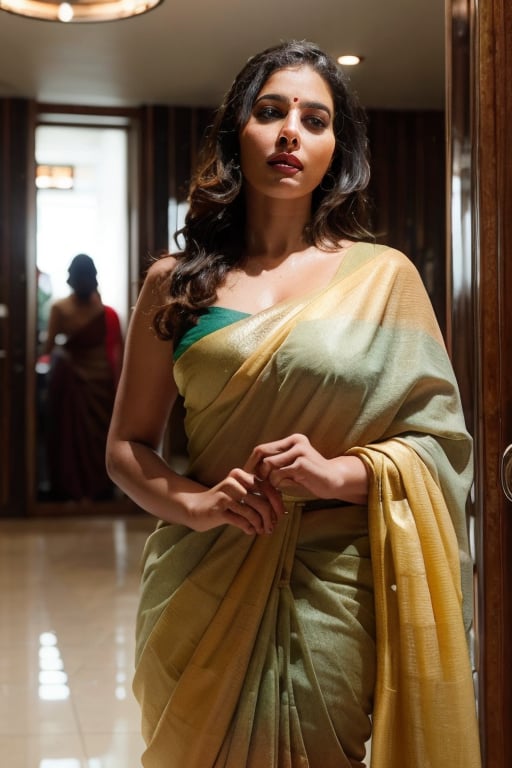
<point x="278" y="651"/>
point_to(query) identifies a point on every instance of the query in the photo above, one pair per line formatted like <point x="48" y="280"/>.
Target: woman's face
<point x="287" y="144"/>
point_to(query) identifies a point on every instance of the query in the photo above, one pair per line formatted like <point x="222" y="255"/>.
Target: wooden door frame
<point x="493" y="182"/>
<point x="75" y="116"/>
<point x="16" y="294"/>
<point x="479" y="112"/>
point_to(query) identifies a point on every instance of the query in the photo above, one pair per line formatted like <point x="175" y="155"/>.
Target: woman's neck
<point x="275" y="228"/>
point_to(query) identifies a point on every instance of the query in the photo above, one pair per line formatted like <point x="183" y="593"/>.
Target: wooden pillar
<point x="17" y="298"/>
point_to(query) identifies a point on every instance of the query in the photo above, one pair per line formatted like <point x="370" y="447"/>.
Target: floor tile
<point x="118" y="713"/>
<point x="42" y="751"/>
<point x="30" y="711"/>
<point x="69" y="593"/>
<point x="113" y="750"/>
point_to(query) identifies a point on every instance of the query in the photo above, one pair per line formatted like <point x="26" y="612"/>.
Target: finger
<point x="238" y="521"/>
<point x="281" y="460"/>
<point x="277" y="453"/>
<point x="268" y="504"/>
<point x="261" y="465"/>
<point x="294" y="470"/>
<point x="264" y="507"/>
<point x="275" y="499"/>
<point x="253" y="499"/>
<point x="299" y="474"/>
<point x="247" y="511"/>
<point x="262" y="451"/>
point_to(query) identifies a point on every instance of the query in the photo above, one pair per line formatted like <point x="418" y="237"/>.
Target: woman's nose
<point x="285" y="140"/>
<point x="288" y="135"/>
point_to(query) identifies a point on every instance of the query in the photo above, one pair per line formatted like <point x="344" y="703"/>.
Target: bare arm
<point x="54" y="327"/>
<point x="145" y="396"/>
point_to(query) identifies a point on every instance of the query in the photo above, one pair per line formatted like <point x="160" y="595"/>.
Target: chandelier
<point x="76" y="11"/>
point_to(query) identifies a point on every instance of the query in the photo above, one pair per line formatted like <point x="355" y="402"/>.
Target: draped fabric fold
<point x="424" y="703"/>
<point x="261" y="651"/>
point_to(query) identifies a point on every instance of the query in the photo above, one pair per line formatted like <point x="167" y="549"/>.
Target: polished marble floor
<point x="68" y="595"/>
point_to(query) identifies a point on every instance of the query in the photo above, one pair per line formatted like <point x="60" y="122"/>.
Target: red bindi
<point x="295" y="98"/>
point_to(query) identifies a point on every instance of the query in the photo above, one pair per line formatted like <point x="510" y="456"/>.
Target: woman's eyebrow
<point x="283" y="99"/>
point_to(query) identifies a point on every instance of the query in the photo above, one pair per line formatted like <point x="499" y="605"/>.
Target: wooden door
<point x="493" y="105"/>
<point x="479" y="119"/>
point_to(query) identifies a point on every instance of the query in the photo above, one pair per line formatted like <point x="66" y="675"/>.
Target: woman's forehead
<point x="297" y="83"/>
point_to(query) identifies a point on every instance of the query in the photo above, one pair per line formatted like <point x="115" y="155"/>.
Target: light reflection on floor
<point x="68" y="594"/>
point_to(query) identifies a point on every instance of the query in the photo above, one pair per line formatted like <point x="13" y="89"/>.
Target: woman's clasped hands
<point x="293" y="466"/>
<point x="240" y="499"/>
<point x="251" y="498"/>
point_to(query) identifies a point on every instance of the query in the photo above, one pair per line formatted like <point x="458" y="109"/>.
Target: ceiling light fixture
<point x="76" y="11"/>
<point x="55" y="177"/>
<point x="348" y="60"/>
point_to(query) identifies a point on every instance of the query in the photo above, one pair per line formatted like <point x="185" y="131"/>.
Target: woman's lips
<point x="286" y="162"/>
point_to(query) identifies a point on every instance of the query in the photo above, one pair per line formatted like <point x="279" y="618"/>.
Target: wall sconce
<point x="78" y="10"/>
<point x="55" y="177"/>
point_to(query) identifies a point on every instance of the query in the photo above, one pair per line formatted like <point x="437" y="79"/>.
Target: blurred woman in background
<point x="85" y="346"/>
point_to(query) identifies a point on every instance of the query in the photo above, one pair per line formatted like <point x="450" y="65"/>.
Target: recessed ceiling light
<point x="349" y="60"/>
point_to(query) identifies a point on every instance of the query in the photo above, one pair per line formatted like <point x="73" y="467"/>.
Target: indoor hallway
<point x="68" y="596"/>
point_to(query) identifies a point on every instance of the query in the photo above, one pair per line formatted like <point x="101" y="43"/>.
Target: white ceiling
<point x="186" y="52"/>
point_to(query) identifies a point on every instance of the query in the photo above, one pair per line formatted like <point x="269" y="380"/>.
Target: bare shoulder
<point x="64" y="312"/>
<point x="161" y="269"/>
<point x="61" y="305"/>
<point x="156" y="281"/>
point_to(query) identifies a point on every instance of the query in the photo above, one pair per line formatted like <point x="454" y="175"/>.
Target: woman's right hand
<point x="241" y="499"/>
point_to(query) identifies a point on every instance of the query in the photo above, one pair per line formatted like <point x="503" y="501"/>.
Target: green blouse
<point x="212" y="320"/>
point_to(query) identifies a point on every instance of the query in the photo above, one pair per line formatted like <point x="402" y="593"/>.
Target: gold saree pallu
<point x="259" y="652"/>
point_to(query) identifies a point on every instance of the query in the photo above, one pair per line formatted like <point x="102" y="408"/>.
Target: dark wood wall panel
<point x="407" y="190"/>
<point x="16" y="143"/>
<point x="170" y="138"/>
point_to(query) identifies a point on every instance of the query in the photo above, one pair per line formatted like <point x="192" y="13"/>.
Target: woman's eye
<point x="268" y="113"/>
<point x="318" y="123"/>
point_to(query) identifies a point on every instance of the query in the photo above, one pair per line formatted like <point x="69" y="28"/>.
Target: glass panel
<point x="82" y="208"/>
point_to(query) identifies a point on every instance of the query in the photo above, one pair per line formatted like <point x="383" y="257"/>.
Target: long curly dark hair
<point x="214" y="227"/>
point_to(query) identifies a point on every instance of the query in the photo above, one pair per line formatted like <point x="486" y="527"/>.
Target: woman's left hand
<point x="293" y="462"/>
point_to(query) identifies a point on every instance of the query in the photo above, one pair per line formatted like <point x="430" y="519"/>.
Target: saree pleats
<point x="275" y="651"/>
<point x="243" y="683"/>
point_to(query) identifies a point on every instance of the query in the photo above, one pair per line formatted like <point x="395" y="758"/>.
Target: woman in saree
<point x="308" y="582"/>
<point x="84" y="345"/>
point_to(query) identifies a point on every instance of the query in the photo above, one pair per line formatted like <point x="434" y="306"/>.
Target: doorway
<point x="83" y="194"/>
<point x="82" y="206"/>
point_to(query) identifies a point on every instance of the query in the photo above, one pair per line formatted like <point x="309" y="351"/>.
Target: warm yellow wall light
<point x="55" y="177"/>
